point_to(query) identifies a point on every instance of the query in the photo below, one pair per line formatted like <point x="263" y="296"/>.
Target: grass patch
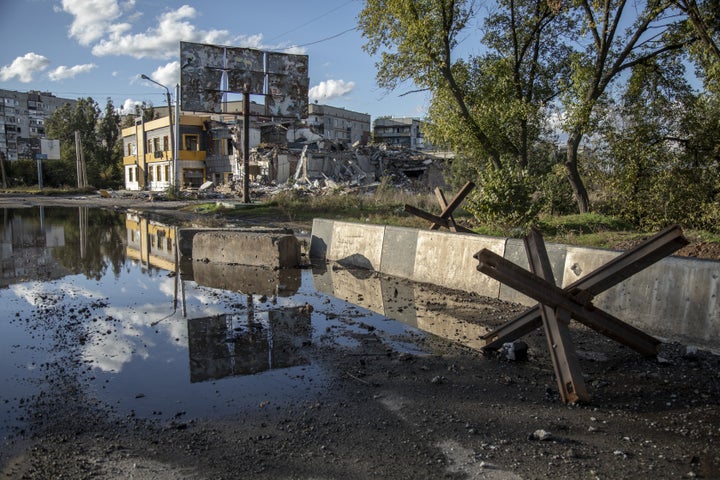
<point x="48" y="191"/>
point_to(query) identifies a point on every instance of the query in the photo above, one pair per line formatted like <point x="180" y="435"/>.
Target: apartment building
<point x="22" y="121"/>
<point x="338" y="124"/>
<point x="403" y="132"/>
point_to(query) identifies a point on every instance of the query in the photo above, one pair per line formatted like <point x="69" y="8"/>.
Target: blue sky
<point x="98" y="48"/>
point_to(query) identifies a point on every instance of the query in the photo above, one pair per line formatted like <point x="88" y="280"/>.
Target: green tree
<point x="99" y="136"/>
<point x="660" y="163"/>
<point x="610" y="51"/>
<point x="491" y="109"/>
<point x="145" y="110"/>
<point x="106" y="168"/>
<point x="65" y="121"/>
<point x="703" y="22"/>
<point x="415" y="40"/>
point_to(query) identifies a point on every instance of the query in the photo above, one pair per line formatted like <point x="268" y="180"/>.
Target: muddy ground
<point x="445" y="411"/>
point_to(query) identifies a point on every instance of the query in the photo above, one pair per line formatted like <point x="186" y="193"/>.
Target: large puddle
<point x="99" y="304"/>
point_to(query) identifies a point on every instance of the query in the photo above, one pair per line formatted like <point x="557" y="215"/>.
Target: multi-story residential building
<point x="22" y="121"/>
<point x="403" y="132"/>
<point x="338" y="124"/>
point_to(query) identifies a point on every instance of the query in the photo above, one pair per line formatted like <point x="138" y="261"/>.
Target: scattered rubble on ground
<point x="333" y="169"/>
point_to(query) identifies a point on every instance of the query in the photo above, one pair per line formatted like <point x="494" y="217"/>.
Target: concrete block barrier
<point x="247" y="248"/>
<point x="447" y="260"/>
<point x="675" y="299"/>
<point x="186" y="235"/>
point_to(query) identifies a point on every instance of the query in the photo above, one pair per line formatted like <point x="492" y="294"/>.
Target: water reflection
<point x="228" y="345"/>
<point x="89" y="317"/>
<point x="413" y="304"/>
<point x="89" y="313"/>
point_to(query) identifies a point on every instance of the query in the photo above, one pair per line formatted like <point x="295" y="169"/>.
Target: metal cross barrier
<point x="445" y="219"/>
<point x="556" y="305"/>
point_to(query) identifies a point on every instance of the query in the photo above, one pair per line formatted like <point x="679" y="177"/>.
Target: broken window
<point x="192" y="142"/>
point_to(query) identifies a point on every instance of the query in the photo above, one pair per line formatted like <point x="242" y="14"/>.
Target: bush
<point x="505" y="198"/>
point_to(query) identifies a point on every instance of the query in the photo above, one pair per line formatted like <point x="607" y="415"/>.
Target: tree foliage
<point x="99" y="135"/>
<point x="636" y="134"/>
<point x="491" y="108"/>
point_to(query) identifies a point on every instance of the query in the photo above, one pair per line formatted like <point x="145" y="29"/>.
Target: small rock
<point x="541" y="435"/>
<point x="515" y="351"/>
<point x="691" y="353"/>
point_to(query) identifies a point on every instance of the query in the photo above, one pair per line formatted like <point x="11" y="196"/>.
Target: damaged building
<point x="330" y="147"/>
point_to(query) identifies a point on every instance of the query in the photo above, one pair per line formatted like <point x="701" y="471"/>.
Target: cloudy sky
<point x="98" y="48"/>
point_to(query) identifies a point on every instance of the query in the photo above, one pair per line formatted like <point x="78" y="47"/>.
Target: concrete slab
<point x="247" y="248"/>
<point x="515" y="252"/>
<point x="676" y="298"/>
<point x="447" y="259"/>
<point x="356" y="244"/>
<point x="186" y="235"/>
<point x="321" y="239"/>
<point x="398" y="251"/>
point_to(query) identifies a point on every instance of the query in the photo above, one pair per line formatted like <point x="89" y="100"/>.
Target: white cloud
<point x="92" y="18"/>
<point x="331" y="89"/>
<point x="168" y="74"/>
<point x="128" y="106"/>
<point x="63" y="72"/>
<point x="161" y="41"/>
<point x="24" y="67"/>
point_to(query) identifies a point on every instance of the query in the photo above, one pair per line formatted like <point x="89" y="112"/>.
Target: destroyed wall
<point x="325" y="162"/>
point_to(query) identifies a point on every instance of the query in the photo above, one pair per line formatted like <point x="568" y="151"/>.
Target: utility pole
<point x="80" y="161"/>
<point x="246" y="145"/>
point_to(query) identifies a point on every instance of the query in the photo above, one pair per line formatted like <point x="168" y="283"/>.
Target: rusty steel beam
<point x="624" y="266"/>
<point x="568" y="375"/>
<point x="555" y="297"/>
<point x="445" y="213"/>
<point x="448" y="208"/>
<point x="443" y="222"/>
<point x="606" y="276"/>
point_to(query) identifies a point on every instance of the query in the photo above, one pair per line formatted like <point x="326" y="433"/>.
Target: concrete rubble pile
<point x="334" y="166"/>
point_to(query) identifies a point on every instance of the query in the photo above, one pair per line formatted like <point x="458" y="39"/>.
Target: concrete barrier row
<point x="675" y="299"/>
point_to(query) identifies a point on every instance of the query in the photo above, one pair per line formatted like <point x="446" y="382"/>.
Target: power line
<point x="318" y="41"/>
<point x="309" y="22"/>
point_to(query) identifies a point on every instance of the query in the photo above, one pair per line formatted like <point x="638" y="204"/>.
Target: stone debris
<point x="515" y="351"/>
<point x="541" y="435"/>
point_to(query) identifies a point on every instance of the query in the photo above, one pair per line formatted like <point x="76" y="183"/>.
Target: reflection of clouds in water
<point x="132" y="334"/>
<point x="111" y="352"/>
<point x="36" y="294"/>
<point x="134" y="327"/>
<point x="44" y="294"/>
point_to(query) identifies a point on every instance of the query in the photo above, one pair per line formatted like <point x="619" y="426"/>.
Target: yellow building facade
<point x="148" y="161"/>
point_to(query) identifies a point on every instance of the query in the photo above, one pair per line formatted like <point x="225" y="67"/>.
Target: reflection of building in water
<point x="150" y="243"/>
<point x="409" y="303"/>
<point x="25" y="248"/>
<point x="283" y="282"/>
<point x="228" y="345"/>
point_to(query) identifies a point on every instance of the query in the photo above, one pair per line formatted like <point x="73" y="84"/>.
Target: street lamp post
<point x="172" y="130"/>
